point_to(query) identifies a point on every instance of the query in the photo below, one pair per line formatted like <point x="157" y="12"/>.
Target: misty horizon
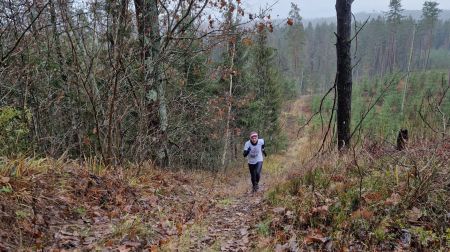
<point x="317" y="9"/>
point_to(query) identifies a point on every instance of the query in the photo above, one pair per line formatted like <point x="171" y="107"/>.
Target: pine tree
<point x="430" y="14"/>
<point x="394" y="15"/>
<point x="394" y="18"/>
<point x="295" y="43"/>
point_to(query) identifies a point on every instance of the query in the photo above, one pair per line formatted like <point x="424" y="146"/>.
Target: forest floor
<point x="58" y="205"/>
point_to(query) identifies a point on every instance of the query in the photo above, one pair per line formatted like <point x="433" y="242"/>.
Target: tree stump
<point x="402" y="139"/>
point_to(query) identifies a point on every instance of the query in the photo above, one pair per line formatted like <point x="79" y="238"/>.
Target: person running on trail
<point x="254" y="150"/>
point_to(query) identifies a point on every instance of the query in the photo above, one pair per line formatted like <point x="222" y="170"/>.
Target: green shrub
<point x="14" y="131"/>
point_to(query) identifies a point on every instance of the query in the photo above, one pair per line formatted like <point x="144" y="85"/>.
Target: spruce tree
<point x="265" y="107"/>
<point x="430" y="14"/>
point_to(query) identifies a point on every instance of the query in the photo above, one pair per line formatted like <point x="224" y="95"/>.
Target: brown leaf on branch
<point x="241" y="11"/>
<point x="290" y="21"/>
<point x="232" y="40"/>
<point x="247" y="41"/>
<point x="232" y="8"/>
<point x="261" y="27"/>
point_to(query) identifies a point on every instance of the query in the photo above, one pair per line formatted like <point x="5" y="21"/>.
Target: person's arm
<point x="246" y="149"/>
<point x="263" y="149"/>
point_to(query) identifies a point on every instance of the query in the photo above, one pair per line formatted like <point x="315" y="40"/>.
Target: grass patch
<point x="225" y="202"/>
<point x="263" y="227"/>
<point x="132" y="227"/>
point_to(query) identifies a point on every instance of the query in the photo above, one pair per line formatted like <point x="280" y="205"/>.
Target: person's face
<point x="254" y="139"/>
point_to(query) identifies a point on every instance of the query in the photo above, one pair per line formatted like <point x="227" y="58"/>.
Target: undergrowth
<point x="369" y="198"/>
<point x="55" y="204"/>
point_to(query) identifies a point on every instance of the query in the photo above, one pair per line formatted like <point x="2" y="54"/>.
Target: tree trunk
<point x="152" y="76"/>
<point x="301" y="82"/>
<point x="117" y="36"/>
<point x="411" y="50"/>
<point x="344" y="71"/>
<point x="61" y="61"/>
<point x="232" y="51"/>
<point x="157" y="78"/>
<point x="430" y="44"/>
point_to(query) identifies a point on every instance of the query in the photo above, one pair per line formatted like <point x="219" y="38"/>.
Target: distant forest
<point x="385" y="44"/>
<point x="362" y="16"/>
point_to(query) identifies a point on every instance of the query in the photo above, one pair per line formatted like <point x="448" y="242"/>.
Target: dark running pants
<point x="255" y="172"/>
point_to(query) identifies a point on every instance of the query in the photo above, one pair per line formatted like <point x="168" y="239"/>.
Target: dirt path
<point x="230" y="224"/>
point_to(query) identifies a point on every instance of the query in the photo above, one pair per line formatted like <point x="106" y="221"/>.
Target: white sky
<point x="325" y="8"/>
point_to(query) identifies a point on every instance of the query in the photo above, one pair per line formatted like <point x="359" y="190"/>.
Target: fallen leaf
<point x="290" y="214"/>
<point x="153" y="248"/>
<point x="132" y="244"/>
<point x="323" y="210"/>
<point x="394" y="199"/>
<point x="310" y="239"/>
<point x="337" y="178"/>
<point x="279" y="210"/>
<point x="123" y="248"/>
<point x="414" y="214"/>
<point x="281" y="248"/>
<point x="372" y="197"/>
<point x="4" y="180"/>
<point x="363" y="213"/>
<point x="179" y="228"/>
<point x="163" y="241"/>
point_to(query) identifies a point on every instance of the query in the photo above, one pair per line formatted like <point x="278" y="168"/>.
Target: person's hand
<point x="249" y="149"/>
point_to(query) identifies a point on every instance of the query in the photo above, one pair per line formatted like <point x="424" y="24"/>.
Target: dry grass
<point x="49" y="203"/>
<point x="372" y="198"/>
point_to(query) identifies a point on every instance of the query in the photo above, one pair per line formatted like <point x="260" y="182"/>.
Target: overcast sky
<point x="325" y="8"/>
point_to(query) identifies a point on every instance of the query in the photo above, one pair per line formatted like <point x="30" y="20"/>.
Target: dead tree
<point x="344" y="71"/>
